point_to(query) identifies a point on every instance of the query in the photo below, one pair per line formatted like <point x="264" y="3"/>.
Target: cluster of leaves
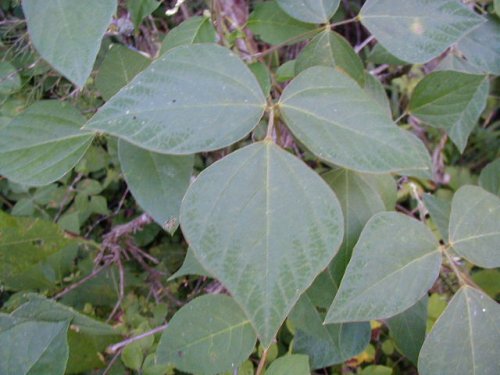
<point x="329" y="217"/>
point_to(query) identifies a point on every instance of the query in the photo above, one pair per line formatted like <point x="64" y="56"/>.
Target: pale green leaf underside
<point x="161" y="193"/>
<point x="311" y="11"/>
<point x="194" y="30"/>
<point x="194" y="98"/>
<point x="331" y="49"/>
<point x="68" y="33"/>
<point x="209" y="335"/>
<point x="43" y="143"/>
<point x="490" y="177"/>
<point x="452" y="101"/>
<point x="393" y="265"/>
<point x="418" y="30"/>
<point x="475" y="226"/>
<point x="271" y="24"/>
<point x="290" y="364"/>
<point x="318" y="107"/>
<point x="408" y="329"/>
<point x="34" y="348"/>
<point x="119" y="67"/>
<point x="465" y="339"/>
<point x="326" y="345"/>
<point x="261" y="214"/>
<point x="481" y="47"/>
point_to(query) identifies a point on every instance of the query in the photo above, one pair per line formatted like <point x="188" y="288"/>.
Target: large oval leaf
<point x="265" y="225"/>
<point x="393" y="265"/>
<point x="43" y="143"/>
<point x="161" y="193"/>
<point x="34" y="348"/>
<point x="468" y="332"/>
<point x="452" y="101"/>
<point x="68" y="33"/>
<point x="209" y="335"/>
<point x="312" y="11"/>
<point x="318" y="108"/>
<point x="418" y="30"/>
<point x="194" y="98"/>
<point x="475" y="226"/>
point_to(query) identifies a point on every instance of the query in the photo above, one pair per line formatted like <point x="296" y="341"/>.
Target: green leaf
<point x="418" y="30"/>
<point x="408" y="329"/>
<point x="488" y="281"/>
<point x="393" y="265"/>
<point x="331" y="49"/>
<point x="261" y="72"/>
<point x="271" y="24"/>
<point x="376" y="91"/>
<point x="452" y="101"/>
<point x="43" y="143"/>
<point x="360" y="199"/>
<point x="475" y="226"/>
<point x="119" y="67"/>
<point x="379" y="55"/>
<point x="190" y="266"/>
<point x="261" y="214"/>
<point x="290" y="364"/>
<point x="34" y="348"/>
<point x="168" y="177"/>
<point x="439" y="210"/>
<point x="311" y="11"/>
<point x="25" y="244"/>
<point x="317" y="107"/>
<point x="193" y="30"/>
<point x="10" y="81"/>
<point x="326" y="345"/>
<point x="207" y="336"/>
<point x="140" y="9"/>
<point x="497" y="6"/>
<point x="68" y="33"/>
<point x="286" y="71"/>
<point x="468" y="332"/>
<point x="195" y="98"/>
<point x="481" y="47"/>
<point x="489" y="179"/>
<point x="458" y="64"/>
<point x="42" y="309"/>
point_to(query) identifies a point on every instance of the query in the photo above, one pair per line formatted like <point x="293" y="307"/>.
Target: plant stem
<point x="292" y="40"/>
<point x="351" y="20"/>
<point x="262" y="362"/>
<point x="114" y="348"/>
<point x="463" y="278"/>
<point x="270" y="126"/>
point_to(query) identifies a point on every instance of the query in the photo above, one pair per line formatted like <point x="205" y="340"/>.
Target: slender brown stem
<point x="350" y="20"/>
<point x="82" y="281"/>
<point x="115" y="347"/>
<point x="262" y="362"/>
<point x="293" y="40"/>
<point x="270" y="126"/>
